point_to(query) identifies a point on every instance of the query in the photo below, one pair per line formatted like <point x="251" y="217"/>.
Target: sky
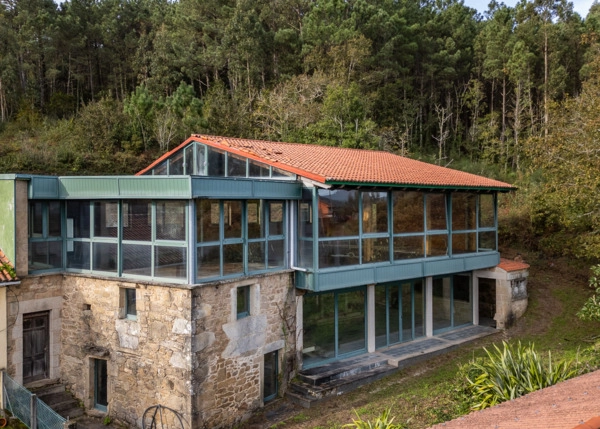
<point x="580" y="6"/>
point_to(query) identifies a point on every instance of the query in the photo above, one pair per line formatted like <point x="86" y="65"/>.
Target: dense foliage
<point x="511" y="372"/>
<point x="104" y="86"/>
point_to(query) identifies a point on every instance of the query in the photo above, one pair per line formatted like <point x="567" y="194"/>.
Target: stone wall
<point x="228" y="352"/>
<point x="148" y="359"/>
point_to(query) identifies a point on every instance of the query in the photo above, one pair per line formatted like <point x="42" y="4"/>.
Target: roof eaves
<point x="420" y="186"/>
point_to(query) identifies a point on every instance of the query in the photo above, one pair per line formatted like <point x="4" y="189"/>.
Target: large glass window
<point x="45" y="235"/>
<point x="408" y="212"/>
<point x="239" y="237"/>
<point x="236" y="166"/>
<point x="338" y="213"/>
<point x="436" y="243"/>
<point x="334" y="325"/>
<point x="215" y="162"/>
<point x="451" y="302"/>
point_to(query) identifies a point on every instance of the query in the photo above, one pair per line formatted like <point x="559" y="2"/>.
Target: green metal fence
<point x="27" y="407"/>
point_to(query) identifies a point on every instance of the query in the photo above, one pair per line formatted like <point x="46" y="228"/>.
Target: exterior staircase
<point x="316" y="384"/>
<point x="59" y="399"/>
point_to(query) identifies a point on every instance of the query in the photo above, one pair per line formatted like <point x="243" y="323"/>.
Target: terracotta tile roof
<point x="509" y="265"/>
<point x="331" y="165"/>
<point x="6" y="275"/>
<point x="562" y="406"/>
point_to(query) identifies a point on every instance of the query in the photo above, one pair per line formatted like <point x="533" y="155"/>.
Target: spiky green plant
<point x="382" y="422"/>
<point x="511" y="372"/>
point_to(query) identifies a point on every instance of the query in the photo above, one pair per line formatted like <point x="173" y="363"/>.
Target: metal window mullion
<point x="449" y="222"/>
<point x="221" y="236"/>
<point x="335" y="324"/>
<point x="387" y="315"/>
<point x="315" y="227"/>
<point x="360" y="227"/>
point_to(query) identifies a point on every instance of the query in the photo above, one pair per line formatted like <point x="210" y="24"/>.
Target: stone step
<point x="342" y="369"/>
<point x="56" y="397"/>
<point x="305" y="394"/>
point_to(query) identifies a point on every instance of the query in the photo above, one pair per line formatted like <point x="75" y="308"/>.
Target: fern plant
<point x="511" y="372"/>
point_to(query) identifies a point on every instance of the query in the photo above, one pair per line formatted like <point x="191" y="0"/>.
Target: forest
<point x="105" y="86"/>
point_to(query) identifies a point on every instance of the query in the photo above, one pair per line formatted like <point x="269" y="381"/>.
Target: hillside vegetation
<point x="106" y="86"/>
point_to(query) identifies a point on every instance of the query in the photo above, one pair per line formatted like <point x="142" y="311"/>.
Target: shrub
<point x="511" y="372"/>
<point x="382" y="422"/>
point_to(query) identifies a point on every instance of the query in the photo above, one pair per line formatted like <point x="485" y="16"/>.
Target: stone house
<point x="207" y="280"/>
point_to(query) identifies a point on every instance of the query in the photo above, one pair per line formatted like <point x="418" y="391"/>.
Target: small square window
<point x="243" y="302"/>
<point x="128" y="304"/>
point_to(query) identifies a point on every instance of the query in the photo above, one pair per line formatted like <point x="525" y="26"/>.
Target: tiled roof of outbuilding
<point x="510" y="265"/>
<point x="334" y="165"/>
<point x="6" y="275"/>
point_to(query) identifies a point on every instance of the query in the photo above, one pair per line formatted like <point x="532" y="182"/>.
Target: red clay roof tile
<point x="6" y="275"/>
<point x="326" y="164"/>
<point x="510" y="265"/>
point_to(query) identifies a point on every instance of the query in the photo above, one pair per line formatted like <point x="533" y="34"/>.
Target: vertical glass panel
<point x="189" y="160"/>
<point x="160" y="169"/>
<point x="176" y="164"/>
<point x="319" y="328"/>
<point x="375" y="250"/>
<point x="78" y="257"/>
<point x="408" y="212"/>
<point x="106" y="218"/>
<point x="380" y="317"/>
<point x="256" y="224"/>
<point x="375" y="215"/>
<point x="137" y="220"/>
<point x="45" y="255"/>
<point x="407" y="312"/>
<point x="243" y="301"/>
<point x="233" y="259"/>
<point x="170" y="220"/>
<point x="419" y="309"/>
<point x="338" y="253"/>
<point x="408" y="247"/>
<point x="208" y="260"/>
<point x="200" y="160"/>
<point x="216" y="162"/>
<point x="54" y="219"/>
<point x="463" y="313"/>
<point x="351" y="321"/>
<point x="137" y="259"/>
<point x="275" y="218"/>
<point x="207" y="220"/>
<point x="464" y="243"/>
<point x="487" y="241"/>
<point x="305" y="219"/>
<point x="256" y="256"/>
<point x="258" y="169"/>
<point x="36" y="219"/>
<point x="78" y="215"/>
<point x="463" y="211"/>
<point x="436" y="212"/>
<point x="105" y="257"/>
<point x="437" y="245"/>
<point x="130" y="303"/>
<point x="394" y="313"/>
<point x="277" y="172"/>
<point x="170" y="262"/>
<point x="270" y="370"/>
<point x="486" y="211"/>
<point x="276" y="254"/>
<point x="100" y="384"/>
<point x="305" y="253"/>
<point x="236" y="166"/>
<point x="232" y="217"/>
<point x="338" y="213"/>
<point x="442" y="296"/>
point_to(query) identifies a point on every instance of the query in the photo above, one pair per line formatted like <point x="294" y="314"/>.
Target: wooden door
<point x="35" y="346"/>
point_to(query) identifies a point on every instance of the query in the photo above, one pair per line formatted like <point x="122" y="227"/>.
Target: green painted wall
<point x="7" y="218"/>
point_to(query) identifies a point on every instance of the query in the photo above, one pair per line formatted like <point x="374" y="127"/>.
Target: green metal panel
<point x="241" y="188"/>
<point x="114" y="187"/>
<point x="482" y="261"/>
<point x="7" y="214"/>
<point x="44" y="187"/>
<point x="443" y="266"/>
<point x="362" y="275"/>
<point x="395" y="272"/>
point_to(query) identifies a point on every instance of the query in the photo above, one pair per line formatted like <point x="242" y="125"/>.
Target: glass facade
<point x="364" y="227"/>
